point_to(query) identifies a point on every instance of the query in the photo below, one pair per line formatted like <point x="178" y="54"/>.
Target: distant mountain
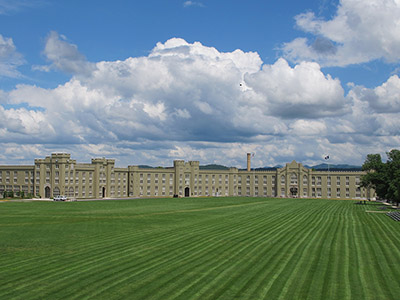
<point x="340" y="167"/>
<point x="145" y="167"/>
<point x="268" y="168"/>
<point x="213" y="167"/>
<point x="320" y="167"/>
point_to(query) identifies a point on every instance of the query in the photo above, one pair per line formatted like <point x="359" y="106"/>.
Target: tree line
<point x="383" y="177"/>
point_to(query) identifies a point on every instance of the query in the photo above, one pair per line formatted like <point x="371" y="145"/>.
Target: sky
<point x="149" y="82"/>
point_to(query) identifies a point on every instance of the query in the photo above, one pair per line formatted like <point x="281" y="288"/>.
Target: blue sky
<point x="147" y="82"/>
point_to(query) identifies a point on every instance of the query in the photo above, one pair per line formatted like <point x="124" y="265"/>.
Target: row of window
<point x="316" y="192"/>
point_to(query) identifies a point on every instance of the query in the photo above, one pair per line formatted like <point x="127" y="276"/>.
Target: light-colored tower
<point x="248" y="162"/>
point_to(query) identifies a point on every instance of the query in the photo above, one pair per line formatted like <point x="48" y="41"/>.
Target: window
<point x="358" y="192"/>
<point x="305" y="180"/>
<point x="329" y="180"/>
<point x="282" y="179"/>
<point x="187" y="179"/>
<point x="293" y="179"/>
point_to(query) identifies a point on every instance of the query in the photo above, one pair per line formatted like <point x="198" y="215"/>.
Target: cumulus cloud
<point x="360" y="31"/>
<point x="299" y="92"/>
<point x="10" y="59"/>
<point x="190" y="101"/>
<point x="307" y="127"/>
<point x="384" y="98"/>
<point x="64" y="56"/>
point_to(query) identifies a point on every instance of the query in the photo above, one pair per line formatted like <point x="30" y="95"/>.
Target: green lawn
<point x="204" y="248"/>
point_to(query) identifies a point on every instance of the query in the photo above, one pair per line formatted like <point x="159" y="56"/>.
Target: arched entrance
<point x="187" y="192"/>
<point x="293" y="192"/>
<point x="47" y="192"/>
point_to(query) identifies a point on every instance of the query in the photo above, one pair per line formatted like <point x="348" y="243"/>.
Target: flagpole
<point x="327" y="160"/>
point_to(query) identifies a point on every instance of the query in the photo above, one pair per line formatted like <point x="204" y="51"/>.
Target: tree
<point x="393" y="175"/>
<point x="383" y="177"/>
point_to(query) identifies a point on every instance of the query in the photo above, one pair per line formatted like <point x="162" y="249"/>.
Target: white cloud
<point x="299" y="92"/>
<point x="12" y="6"/>
<point x="361" y="31"/>
<point x="384" y="98"/>
<point x="307" y="127"/>
<point x="10" y="59"/>
<point x="193" y="3"/>
<point x="64" y="56"/>
<point x="185" y="100"/>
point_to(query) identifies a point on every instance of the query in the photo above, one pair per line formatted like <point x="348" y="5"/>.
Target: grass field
<point x="204" y="248"/>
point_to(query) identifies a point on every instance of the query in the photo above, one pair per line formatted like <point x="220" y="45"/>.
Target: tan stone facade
<point x="58" y="174"/>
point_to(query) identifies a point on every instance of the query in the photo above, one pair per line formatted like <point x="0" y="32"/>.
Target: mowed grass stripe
<point x="262" y="245"/>
<point x="389" y="242"/>
<point x="91" y="219"/>
<point x="120" y="259"/>
<point x="250" y="245"/>
<point x="381" y="253"/>
<point x="110" y="256"/>
<point x="303" y="263"/>
<point x="273" y="249"/>
<point x="189" y="253"/>
<point x="259" y="272"/>
<point x="100" y="242"/>
<point x="370" y="276"/>
<point x="278" y="241"/>
<point x="274" y="280"/>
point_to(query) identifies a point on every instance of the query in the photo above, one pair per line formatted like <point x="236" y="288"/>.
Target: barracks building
<point x="58" y="174"/>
